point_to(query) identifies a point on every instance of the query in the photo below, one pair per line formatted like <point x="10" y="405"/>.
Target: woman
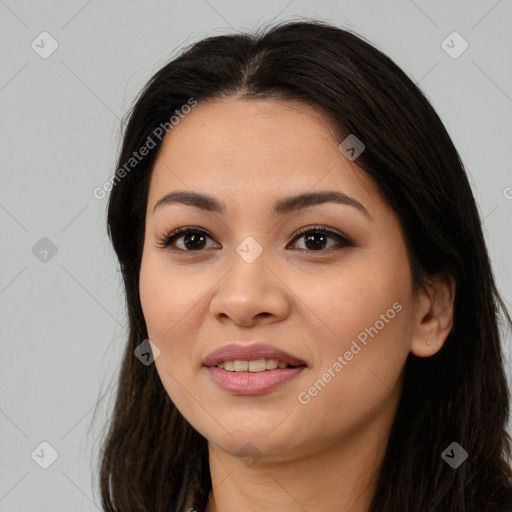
<point x="299" y="241"/>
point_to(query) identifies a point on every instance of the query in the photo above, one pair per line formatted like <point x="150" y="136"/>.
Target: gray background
<point x="62" y="315"/>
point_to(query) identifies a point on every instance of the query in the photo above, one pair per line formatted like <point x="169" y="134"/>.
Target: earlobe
<point x="434" y="315"/>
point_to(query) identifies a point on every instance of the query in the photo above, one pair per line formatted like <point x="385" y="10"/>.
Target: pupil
<point x="311" y="236"/>
<point x="195" y="239"/>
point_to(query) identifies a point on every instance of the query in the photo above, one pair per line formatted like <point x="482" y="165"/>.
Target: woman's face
<point x="342" y="306"/>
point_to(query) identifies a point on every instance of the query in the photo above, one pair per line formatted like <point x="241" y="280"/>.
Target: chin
<point x="249" y="439"/>
<point x="245" y="446"/>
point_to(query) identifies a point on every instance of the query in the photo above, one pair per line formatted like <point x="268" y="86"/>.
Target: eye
<point x="193" y="239"/>
<point x="315" y="238"/>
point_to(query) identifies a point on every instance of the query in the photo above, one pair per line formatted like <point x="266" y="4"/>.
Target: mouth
<point x="255" y="365"/>
<point x="251" y="369"/>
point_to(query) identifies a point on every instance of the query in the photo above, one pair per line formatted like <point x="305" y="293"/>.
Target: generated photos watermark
<point x="137" y="156"/>
<point x="304" y="397"/>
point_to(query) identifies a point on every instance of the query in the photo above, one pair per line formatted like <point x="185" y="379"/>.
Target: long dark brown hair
<point x="152" y="459"/>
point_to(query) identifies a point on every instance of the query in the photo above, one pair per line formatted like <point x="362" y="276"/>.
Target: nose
<point x="250" y="293"/>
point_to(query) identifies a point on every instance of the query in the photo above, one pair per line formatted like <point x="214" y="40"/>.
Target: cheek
<point x="356" y="305"/>
<point x="363" y="324"/>
<point x="164" y="299"/>
<point x="170" y="313"/>
<point x="356" y="380"/>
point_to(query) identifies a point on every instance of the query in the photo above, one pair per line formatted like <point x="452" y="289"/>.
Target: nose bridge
<point x="249" y="287"/>
<point x="250" y="250"/>
<point x="249" y="267"/>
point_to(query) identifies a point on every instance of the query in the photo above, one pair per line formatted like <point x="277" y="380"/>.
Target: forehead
<point x="250" y="149"/>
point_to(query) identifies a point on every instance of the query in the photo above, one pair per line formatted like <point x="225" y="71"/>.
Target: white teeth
<point x="229" y="366"/>
<point x="241" y="366"/>
<point x="272" y="364"/>
<point x="257" y="366"/>
<point x="254" y="366"/>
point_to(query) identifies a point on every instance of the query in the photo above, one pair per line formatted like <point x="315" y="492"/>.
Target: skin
<point x="323" y="455"/>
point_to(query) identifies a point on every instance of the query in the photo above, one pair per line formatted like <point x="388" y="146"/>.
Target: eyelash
<point x="167" y="240"/>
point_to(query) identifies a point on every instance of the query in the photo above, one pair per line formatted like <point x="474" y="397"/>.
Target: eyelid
<point x="320" y="227"/>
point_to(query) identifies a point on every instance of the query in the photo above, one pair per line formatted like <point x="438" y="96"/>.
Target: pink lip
<point x="251" y="383"/>
<point x="244" y="352"/>
<point x="247" y="383"/>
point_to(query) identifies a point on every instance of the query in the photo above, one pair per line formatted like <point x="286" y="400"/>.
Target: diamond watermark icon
<point x="454" y="455"/>
<point x="454" y="45"/>
<point x="45" y="455"/>
<point x="44" y="45"/>
<point x="44" y="250"/>
<point x="352" y="147"/>
<point x="249" y="249"/>
<point x="249" y="454"/>
<point x="147" y="352"/>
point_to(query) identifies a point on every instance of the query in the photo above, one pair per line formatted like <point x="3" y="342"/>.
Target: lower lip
<point x="252" y="383"/>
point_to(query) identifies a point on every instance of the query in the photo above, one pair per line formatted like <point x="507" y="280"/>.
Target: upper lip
<point x="245" y="352"/>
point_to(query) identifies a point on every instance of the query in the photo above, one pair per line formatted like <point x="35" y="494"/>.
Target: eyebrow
<point x="281" y="206"/>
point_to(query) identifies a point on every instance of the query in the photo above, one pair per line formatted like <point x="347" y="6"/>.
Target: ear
<point x="434" y="315"/>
